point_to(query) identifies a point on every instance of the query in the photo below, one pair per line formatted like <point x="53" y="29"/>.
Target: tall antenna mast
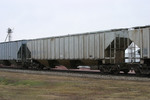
<point x="9" y="31"/>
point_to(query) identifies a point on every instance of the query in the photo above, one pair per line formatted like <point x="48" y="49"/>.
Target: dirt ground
<point x="18" y="86"/>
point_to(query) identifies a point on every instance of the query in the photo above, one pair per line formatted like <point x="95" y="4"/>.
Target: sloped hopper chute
<point x="115" y="46"/>
<point x="23" y="52"/>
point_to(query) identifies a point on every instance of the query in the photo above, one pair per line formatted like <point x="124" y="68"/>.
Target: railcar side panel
<point x="85" y="46"/>
<point x="9" y="50"/>
<point x="71" y="47"/>
<point x="102" y="46"/>
<point x="57" y="48"/>
<point x="49" y="49"/>
<point x="76" y="47"/>
<point x="66" y="47"/>
<point x="62" y="46"/>
<point x="146" y="38"/>
<point x="91" y="47"/>
<point x="45" y="48"/>
<point x="53" y="50"/>
<point x="81" y="47"/>
<point x="97" y="46"/>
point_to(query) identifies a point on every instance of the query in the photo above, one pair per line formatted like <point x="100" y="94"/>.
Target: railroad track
<point x="82" y="74"/>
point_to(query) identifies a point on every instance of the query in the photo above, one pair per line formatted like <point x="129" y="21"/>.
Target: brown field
<point x="18" y="86"/>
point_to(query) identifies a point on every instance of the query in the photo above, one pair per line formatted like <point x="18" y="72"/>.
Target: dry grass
<point x="18" y="86"/>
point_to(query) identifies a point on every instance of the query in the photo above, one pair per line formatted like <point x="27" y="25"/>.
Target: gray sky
<point x="45" y="18"/>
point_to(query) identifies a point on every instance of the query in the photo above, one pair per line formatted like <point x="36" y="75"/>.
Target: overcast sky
<point x="44" y="18"/>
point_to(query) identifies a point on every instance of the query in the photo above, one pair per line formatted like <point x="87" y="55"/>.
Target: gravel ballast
<point x="82" y="75"/>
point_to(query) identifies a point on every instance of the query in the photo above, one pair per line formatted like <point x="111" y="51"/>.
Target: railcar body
<point x="14" y="52"/>
<point x="112" y="51"/>
<point x="80" y="49"/>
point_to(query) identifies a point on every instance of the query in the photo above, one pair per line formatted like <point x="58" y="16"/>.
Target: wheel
<point x="126" y="71"/>
<point x="137" y="69"/>
<point x="26" y="65"/>
<point x="101" y="69"/>
<point x="41" y="67"/>
<point x="115" y="72"/>
<point x="74" y="64"/>
<point x="115" y="69"/>
<point x="137" y="72"/>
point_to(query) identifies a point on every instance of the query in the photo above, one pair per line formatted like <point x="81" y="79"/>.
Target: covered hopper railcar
<point x="112" y="51"/>
<point x="14" y="52"/>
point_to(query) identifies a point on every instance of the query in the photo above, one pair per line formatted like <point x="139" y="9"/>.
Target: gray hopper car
<point x="12" y="52"/>
<point x="111" y="51"/>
